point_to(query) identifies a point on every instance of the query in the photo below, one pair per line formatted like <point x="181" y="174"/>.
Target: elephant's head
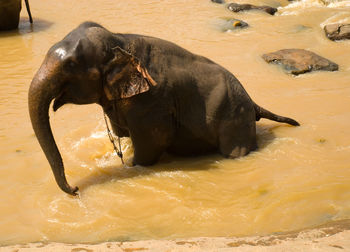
<point x="87" y="66"/>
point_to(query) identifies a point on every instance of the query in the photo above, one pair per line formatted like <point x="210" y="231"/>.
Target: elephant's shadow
<point x="168" y="163"/>
<point x="25" y="27"/>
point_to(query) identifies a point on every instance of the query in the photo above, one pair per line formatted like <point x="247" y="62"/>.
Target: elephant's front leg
<point x="149" y="143"/>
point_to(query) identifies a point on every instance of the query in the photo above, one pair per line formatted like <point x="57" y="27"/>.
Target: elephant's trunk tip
<point x="71" y="191"/>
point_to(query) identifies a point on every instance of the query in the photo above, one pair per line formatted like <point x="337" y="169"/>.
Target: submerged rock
<point x="300" y="28"/>
<point x="337" y="31"/>
<point x="218" y="1"/>
<point x="245" y="7"/>
<point x="299" y="61"/>
<point x="233" y="24"/>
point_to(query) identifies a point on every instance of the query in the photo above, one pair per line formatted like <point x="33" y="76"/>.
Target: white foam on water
<point x="99" y="134"/>
<point x="339" y="3"/>
<point x="341" y="17"/>
<point x="94" y="135"/>
<point x="297" y="7"/>
<point x="111" y="157"/>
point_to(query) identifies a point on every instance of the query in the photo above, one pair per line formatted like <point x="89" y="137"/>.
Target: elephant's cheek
<point x="95" y="79"/>
<point x="94" y="74"/>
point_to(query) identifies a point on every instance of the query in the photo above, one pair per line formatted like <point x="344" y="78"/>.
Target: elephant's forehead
<point x="96" y="35"/>
<point x="60" y="52"/>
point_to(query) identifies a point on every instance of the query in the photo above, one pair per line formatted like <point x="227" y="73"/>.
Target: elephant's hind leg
<point x="237" y="138"/>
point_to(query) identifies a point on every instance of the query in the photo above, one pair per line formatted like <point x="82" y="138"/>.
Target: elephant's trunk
<point x="29" y="13"/>
<point x="40" y="96"/>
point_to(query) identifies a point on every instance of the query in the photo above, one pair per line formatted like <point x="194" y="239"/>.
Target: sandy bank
<point x="334" y="236"/>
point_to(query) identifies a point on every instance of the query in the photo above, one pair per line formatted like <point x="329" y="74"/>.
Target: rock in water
<point x="231" y="24"/>
<point x="218" y="1"/>
<point x="245" y="7"/>
<point x="337" y="31"/>
<point x="299" y="61"/>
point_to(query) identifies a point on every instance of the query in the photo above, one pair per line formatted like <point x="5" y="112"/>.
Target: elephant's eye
<point x="70" y="65"/>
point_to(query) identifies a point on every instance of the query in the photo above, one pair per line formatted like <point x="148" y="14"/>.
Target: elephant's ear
<point x="125" y="77"/>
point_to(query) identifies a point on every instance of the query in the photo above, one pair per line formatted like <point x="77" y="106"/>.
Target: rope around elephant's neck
<point x="112" y="139"/>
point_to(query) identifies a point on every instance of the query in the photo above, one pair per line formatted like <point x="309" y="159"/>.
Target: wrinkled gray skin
<point x="159" y="94"/>
<point x="9" y="14"/>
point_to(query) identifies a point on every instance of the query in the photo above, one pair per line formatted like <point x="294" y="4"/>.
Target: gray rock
<point x="337" y="31"/>
<point x="246" y="7"/>
<point x="218" y="1"/>
<point x="299" y="61"/>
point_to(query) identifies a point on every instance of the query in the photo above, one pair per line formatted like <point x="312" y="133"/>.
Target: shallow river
<point x="299" y="176"/>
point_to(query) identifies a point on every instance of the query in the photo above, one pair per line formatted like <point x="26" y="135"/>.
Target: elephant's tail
<point x="29" y="13"/>
<point x="263" y="113"/>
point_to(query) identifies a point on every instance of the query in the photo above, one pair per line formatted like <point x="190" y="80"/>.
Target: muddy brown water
<point x="298" y="178"/>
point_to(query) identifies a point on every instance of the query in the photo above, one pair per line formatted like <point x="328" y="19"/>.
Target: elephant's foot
<point x="237" y="140"/>
<point x="237" y="152"/>
<point x="238" y="148"/>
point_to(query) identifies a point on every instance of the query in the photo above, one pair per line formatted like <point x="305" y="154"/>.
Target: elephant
<point x="165" y="98"/>
<point x="9" y="14"/>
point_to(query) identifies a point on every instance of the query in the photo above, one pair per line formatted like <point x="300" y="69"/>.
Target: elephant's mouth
<point x="58" y="102"/>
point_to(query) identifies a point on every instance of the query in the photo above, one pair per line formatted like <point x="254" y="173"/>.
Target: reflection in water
<point x="298" y="177"/>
